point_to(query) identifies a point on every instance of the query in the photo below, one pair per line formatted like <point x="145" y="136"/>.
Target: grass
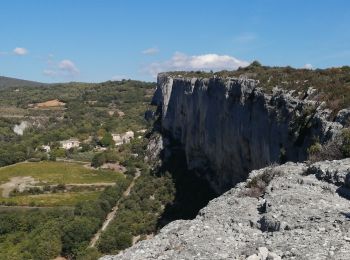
<point x="55" y="173"/>
<point x="257" y="185"/>
<point x="51" y="200"/>
<point x="58" y="172"/>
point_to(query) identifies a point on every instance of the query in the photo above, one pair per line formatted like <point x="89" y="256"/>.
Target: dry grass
<point x="256" y="187"/>
<point x="50" y="104"/>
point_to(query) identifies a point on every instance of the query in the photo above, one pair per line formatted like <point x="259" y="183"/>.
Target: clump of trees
<point x="99" y="159"/>
<point x="139" y="213"/>
<point x="48" y="233"/>
<point x="86" y="114"/>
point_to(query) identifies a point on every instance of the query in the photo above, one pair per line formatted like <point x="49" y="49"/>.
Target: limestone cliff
<point x="228" y="127"/>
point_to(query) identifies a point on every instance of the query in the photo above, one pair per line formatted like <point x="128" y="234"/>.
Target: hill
<point x="6" y="82"/>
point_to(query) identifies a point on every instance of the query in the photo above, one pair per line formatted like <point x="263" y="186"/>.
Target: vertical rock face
<point x="228" y="127"/>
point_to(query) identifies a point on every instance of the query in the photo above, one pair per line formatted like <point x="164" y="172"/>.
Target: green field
<point x="51" y="200"/>
<point x="51" y="173"/>
<point x="57" y="172"/>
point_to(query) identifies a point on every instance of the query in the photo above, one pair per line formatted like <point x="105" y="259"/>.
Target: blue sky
<point x="98" y="40"/>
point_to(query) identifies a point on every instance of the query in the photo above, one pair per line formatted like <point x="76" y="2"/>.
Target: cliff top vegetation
<point x="332" y="84"/>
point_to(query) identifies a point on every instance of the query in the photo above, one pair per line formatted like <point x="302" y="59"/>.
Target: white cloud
<point x="64" y="68"/>
<point x="68" y="66"/>
<point x="308" y="66"/>
<point x="20" y="51"/>
<point x="150" y="51"/>
<point x="206" y="62"/>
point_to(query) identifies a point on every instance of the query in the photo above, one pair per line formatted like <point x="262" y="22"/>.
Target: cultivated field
<point x="57" y="172"/>
<point x="52" y="183"/>
<point x="51" y="200"/>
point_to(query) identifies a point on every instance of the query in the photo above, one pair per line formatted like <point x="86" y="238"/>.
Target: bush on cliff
<point x="345" y="148"/>
<point x="335" y="149"/>
<point x="257" y="185"/>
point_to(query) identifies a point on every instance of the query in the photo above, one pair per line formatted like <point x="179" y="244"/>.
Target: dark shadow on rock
<point x="344" y="192"/>
<point x="192" y="193"/>
<point x="346" y="215"/>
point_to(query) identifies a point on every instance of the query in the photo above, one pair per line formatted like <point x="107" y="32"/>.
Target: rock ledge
<point x="300" y="215"/>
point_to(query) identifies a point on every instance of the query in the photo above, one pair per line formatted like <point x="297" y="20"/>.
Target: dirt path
<point x="22" y="183"/>
<point x="19" y="183"/>
<point x="71" y="161"/>
<point x="4" y="207"/>
<point x="106" y="166"/>
<point x="114" y="211"/>
<point x="102" y="184"/>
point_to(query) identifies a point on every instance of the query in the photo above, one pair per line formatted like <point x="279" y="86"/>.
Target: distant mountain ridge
<point x="6" y="82"/>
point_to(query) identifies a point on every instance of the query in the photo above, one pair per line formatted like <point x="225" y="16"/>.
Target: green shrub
<point x="114" y="240"/>
<point x="58" y="153"/>
<point x="90" y="253"/>
<point x="45" y="242"/>
<point x="76" y="232"/>
<point x="314" y="149"/>
<point x="107" y="140"/>
<point x="98" y="160"/>
<point x="345" y="147"/>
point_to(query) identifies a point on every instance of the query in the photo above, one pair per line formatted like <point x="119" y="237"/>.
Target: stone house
<point x="70" y="143"/>
<point x="124" y="138"/>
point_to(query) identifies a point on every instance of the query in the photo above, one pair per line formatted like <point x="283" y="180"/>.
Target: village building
<point x="70" y="143"/>
<point x="46" y="148"/>
<point x="124" y="138"/>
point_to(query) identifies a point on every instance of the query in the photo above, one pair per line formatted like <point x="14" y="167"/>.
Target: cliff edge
<point x="231" y="126"/>
<point x="235" y="135"/>
<point x="292" y="211"/>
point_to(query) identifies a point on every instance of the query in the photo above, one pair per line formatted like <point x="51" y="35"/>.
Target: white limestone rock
<point x="229" y="127"/>
<point x="230" y="226"/>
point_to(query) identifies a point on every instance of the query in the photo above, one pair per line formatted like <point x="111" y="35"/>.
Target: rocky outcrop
<point x="228" y="127"/>
<point x="297" y="215"/>
<point x="230" y="130"/>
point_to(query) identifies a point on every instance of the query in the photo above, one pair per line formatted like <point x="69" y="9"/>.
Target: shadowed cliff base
<point x="192" y="193"/>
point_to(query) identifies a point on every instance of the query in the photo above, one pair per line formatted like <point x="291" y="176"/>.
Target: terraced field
<point x="52" y="183"/>
<point x="57" y="172"/>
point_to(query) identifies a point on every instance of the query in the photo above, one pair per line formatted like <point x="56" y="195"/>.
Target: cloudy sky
<point x="98" y="40"/>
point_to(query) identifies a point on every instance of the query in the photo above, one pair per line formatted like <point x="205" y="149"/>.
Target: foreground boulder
<point x="292" y="211"/>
